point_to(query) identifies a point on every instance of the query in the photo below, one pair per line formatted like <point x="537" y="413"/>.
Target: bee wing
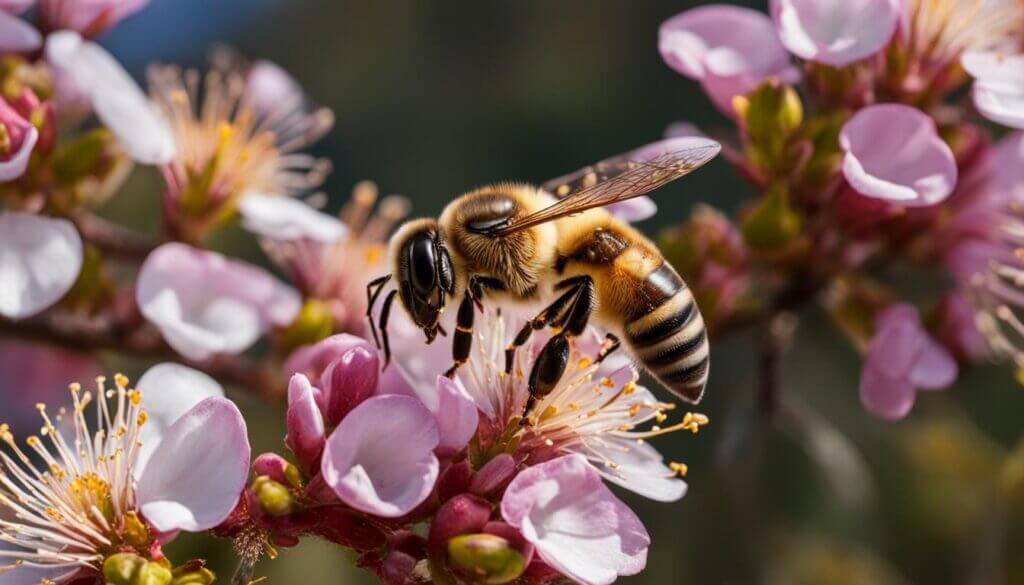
<point x="621" y="177"/>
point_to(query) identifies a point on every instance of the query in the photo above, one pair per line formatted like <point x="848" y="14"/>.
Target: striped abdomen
<point x="667" y="334"/>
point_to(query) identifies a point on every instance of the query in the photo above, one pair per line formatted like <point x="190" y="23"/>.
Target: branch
<point x="774" y="341"/>
<point x="144" y="342"/>
<point x="113" y="239"/>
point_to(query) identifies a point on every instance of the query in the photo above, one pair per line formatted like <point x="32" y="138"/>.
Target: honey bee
<point x="521" y="243"/>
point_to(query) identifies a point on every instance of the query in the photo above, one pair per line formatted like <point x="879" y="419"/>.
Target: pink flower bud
<point x="347" y="382"/>
<point x="17" y="139"/>
<point x="306" y="433"/>
<point x="494" y="475"/>
<point x="463" y="514"/>
<point x="454" y="480"/>
<point x="276" y="468"/>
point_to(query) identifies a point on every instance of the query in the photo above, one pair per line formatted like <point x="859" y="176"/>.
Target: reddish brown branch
<point x="114" y="239"/>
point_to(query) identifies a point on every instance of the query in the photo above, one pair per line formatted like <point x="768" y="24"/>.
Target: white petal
<point x="40" y="258"/>
<point x="15" y="166"/>
<point x="169" y="390"/>
<point x="285" y="219"/>
<point x="199" y="470"/>
<point x="17" y="36"/>
<point x="641" y="469"/>
<point x="118" y="101"/>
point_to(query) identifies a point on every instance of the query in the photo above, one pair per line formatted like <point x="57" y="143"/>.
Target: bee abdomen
<point x="669" y="338"/>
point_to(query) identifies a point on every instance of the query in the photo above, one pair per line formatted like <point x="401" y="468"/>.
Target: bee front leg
<point x="373" y="290"/>
<point x="462" y="339"/>
<point x="554" y="357"/>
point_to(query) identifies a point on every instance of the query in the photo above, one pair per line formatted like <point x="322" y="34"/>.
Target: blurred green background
<point x="434" y="98"/>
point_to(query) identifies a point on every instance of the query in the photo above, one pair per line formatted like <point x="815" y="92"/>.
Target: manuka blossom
<point x="730" y="50"/>
<point x="327" y="257"/>
<point x="835" y="33"/>
<point x="88" y="498"/>
<point x="597" y="410"/>
<point x="40" y="258"/>
<point x="893" y="153"/>
<point x="901" y="359"/>
<point x="235" y="304"/>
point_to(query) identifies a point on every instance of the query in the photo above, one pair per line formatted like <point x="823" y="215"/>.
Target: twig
<point x="141" y="341"/>
<point x="113" y="239"/>
<point x="775" y="339"/>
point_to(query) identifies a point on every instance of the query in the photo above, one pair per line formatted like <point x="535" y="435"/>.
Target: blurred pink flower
<point x="998" y="85"/>
<point x="40" y="258"/>
<point x="893" y="152"/>
<point x="380" y="459"/>
<point x="729" y="49"/>
<point x="192" y="482"/>
<point x="35" y="373"/>
<point x="17" y="139"/>
<point x="88" y="17"/>
<point x="576" y="524"/>
<point x="835" y="33"/>
<point x="16" y="35"/>
<point x="937" y="32"/>
<point x="235" y="304"/>
<point x="901" y="359"/>
<point x="115" y="97"/>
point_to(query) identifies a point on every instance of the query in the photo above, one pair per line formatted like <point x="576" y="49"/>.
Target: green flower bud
<point x="274" y="497"/>
<point x="199" y="577"/>
<point x="314" y="322"/>
<point x="488" y="557"/>
<point x="131" y="569"/>
<point x="773" y="223"/>
<point x="83" y="156"/>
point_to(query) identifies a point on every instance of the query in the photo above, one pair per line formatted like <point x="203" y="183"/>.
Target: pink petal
<point x="457" y="416"/>
<point x="198" y="471"/>
<point x="575" y="522"/>
<point x="269" y="89"/>
<point x="235" y="304"/>
<point x="347" y="382"/>
<point x="17" y="36"/>
<point x="884" y="397"/>
<point x="894" y="153"/>
<point x="935" y="368"/>
<point x="40" y="259"/>
<point x="729" y="48"/>
<point x="998" y="85"/>
<point x="280" y="218"/>
<point x="90" y="16"/>
<point x="380" y="459"/>
<point x="306" y="434"/>
<point x="835" y="33"/>
<point x="313" y="360"/>
<point x="22" y="137"/>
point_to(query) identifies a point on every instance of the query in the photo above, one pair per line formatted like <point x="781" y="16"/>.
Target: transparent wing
<point x="621" y="177"/>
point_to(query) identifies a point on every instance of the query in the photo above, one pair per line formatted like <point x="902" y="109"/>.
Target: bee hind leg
<point x="550" y="315"/>
<point x="554" y="357"/>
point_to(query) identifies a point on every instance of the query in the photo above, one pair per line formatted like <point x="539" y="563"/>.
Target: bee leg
<point x="554" y="358"/>
<point x="462" y="339"/>
<point x="385" y="313"/>
<point x="611" y="343"/>
<point x="373" y="290"/>
<point x="550" y="314"/>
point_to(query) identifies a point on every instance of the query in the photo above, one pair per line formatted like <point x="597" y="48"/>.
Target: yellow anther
<point x="584" y="363"/>
<point x="224" y="131"/>
<point x="32" y="441"/>
<point x="680" y="469"/>
<point x="136" y="397"/>
<point x="549" y="412"/>
<point x="574" y="406"/>
<point x="142" y="418"/>
<point x="660" y="417"/>
<point x="607" y="382"/>
<point x="121" y="380"/>
<point x="629" y="388"/>
<point x="75" y="387"/>
<point x="634" y="410"/>
<point x="40" y="407"/>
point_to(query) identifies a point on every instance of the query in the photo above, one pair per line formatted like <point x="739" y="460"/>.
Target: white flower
<point x="40" y="258"/>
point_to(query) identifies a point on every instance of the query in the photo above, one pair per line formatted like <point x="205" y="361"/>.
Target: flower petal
<point x="835" y="32"/>
<point x="313" y="360"/>
<point x="286" y="219"/>
<point x="575" y="522"/>
<point x="457" y="416"/>
<point x="236" y="303"/>
<point x="640" y="468"/>
<point x="894" y="153"/>
<point x="169" y="391"/>
<point x="380" y="459"/>
<point x="118" y="101"/>
<point x="198" y="471"/>
<point x="40" y="258"/>
<point x="15" y="166"/>
<point x="998" y="85"/>
<point x="306" y="434"/>
<point x="885" y="397"/>
<point x="18" y="36"/>
<point x="935" y="368"/>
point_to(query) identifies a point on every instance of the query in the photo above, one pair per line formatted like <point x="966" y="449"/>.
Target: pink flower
<point x="729" y="49"/>
<point x="88" y="17"/>
<point x="998" y="85"/>
<point x="235" y="304"/>
<point x="893" y="152"/>
<point x="902" y="358"/>
<point x="34" y="373"/>
<point x="576" y="524"/>
<point x="116" y="98"/>
<point x="380" y="459"/>
<point x="16" y="35"/>
<point x="835" y="33"/>
<point x="17" y="139"/>
<point x="40" y="258"/>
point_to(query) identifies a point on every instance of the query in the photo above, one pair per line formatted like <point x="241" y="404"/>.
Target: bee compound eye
<point x="423" y="266"/>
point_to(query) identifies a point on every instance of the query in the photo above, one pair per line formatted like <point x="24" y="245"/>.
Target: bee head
<point x="425" y="274"/>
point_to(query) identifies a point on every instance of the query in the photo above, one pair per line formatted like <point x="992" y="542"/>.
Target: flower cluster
<point x="853" y="124"/>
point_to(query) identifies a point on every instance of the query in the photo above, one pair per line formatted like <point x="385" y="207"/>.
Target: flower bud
<point x="488" y="558"/>
<point x="454" y="480"/>
<point x="462" y="514"/>
<point x="772" y="224"/>
<point x="278" y="469"/>
<point x="83" y="156"/>
<point x="313" y="323"/>
<point x="274" y="497"/>
<point x="771" y="113"/>
<point x="198" y="577"/>
<point x="493" y="475"/>
<point x="131" y="569"/>
<point x="347" y="382"/>
<point x="349" y="529"/>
